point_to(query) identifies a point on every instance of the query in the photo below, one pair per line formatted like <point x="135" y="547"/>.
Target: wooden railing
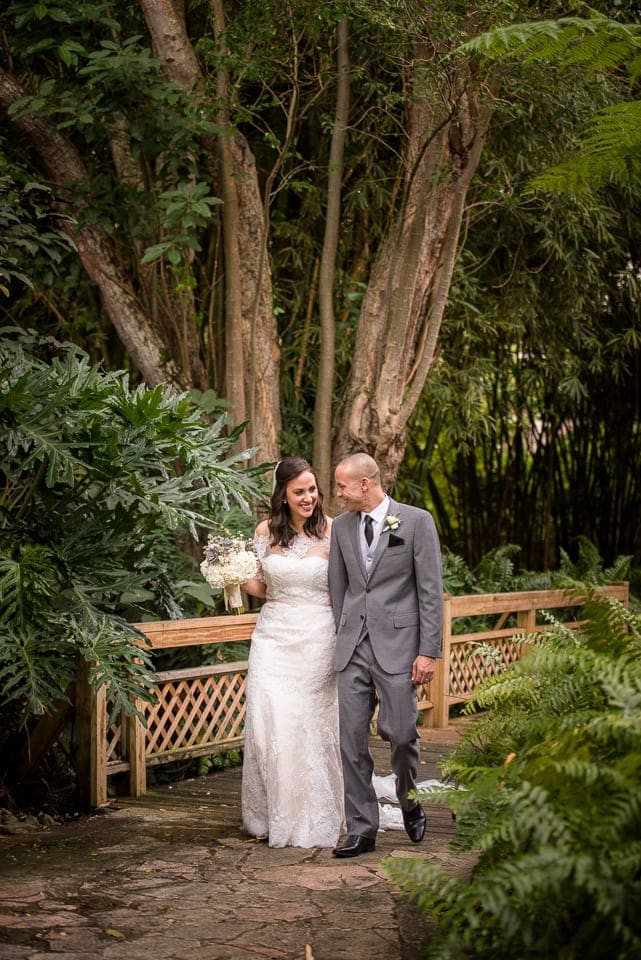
<point x="201" y="711"/>
<point x="459" y="671"/>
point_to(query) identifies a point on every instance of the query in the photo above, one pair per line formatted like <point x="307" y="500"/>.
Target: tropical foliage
<point x="610" y="149"/>
<point x="344" y="178"/>
<point x="528" y="429"/>
<point x="551" y="803"/>
<point x="498" y="571"/>
<point x="99" y="482"/>
<point x="342" y="138"/>
<point x="30" y="232"/>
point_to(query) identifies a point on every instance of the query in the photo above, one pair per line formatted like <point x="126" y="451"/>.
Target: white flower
<point x="229" y="561"/>
<point x="392" y="522"/>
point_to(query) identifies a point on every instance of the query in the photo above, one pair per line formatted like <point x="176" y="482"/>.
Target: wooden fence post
<point x="135" y="749"/>
<point x="439" y="716"/>
<point x="91" y="740"/>
<point x="526" y="622"/>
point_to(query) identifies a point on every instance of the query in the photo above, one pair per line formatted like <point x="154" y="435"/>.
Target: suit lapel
<point x="383" y="540"/>
<point x="356" y="543"/>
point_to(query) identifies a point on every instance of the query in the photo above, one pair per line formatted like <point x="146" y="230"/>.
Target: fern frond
<point x="623" y="693"/>
<point x="619" y="571"/>
<point x="609" y="154"/>
<point x="595" y="43"/>
<point x="423" y="882"/>
<point x="495" y="571"/>
<point x="608" y="627"/>
<point x="552" y="805"/>
<point x="457" y="577"/>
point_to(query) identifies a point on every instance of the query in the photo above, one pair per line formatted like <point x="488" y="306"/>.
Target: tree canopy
<point x="323" y="217"/>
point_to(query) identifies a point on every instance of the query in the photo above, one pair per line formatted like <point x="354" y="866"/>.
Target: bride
<point x="292" y="784"/>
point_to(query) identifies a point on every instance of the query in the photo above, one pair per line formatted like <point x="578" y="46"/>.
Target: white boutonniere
<point x="392" y="522"/>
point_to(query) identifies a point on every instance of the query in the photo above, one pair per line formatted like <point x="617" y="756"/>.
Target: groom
<point x="386" y="592"/>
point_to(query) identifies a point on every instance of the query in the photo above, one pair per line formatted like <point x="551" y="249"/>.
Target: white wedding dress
<point x="292" y="785"/>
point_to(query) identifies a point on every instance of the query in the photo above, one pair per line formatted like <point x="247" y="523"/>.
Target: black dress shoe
<point x="354" y="845"/>
<point x="415" y="822"/>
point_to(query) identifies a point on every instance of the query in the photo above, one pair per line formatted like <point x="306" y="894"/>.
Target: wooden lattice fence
<point x="200" y="711"/>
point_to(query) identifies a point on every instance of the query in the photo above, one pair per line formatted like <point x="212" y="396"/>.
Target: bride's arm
<point x="256" y="586"/>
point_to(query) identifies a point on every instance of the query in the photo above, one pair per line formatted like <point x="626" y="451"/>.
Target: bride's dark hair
<point x="280" y="528"/>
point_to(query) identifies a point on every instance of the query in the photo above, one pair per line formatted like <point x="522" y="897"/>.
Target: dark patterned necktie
<point x="369" y="529"/>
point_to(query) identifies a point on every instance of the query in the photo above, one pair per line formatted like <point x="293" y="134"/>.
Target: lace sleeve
<point x="261" y="544"/>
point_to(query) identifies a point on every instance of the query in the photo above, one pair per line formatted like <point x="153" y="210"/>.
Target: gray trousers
<point x="358" y="685"/>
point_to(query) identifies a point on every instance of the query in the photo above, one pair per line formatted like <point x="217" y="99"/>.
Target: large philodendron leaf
<point x="98" y="483"/>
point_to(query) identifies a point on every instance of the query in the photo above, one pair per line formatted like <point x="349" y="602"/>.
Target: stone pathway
<point x="172" y="877"/>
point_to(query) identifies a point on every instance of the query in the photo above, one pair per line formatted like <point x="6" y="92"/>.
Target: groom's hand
<point x="423" y="670"/>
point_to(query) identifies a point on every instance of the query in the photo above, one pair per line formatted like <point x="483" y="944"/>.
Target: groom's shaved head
<point x="358" y="483"/>
<point x="362" y="465"/>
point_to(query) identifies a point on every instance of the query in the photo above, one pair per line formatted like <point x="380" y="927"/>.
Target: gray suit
<point x="383" y="622"/>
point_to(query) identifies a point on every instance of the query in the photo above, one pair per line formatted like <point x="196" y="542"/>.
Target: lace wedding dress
<point x="292" y="785"/>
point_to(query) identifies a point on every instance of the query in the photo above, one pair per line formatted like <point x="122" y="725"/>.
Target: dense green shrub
<point x="551" y="771"/>
<point x="98" y="482"/>
<point x="497" y="572"/>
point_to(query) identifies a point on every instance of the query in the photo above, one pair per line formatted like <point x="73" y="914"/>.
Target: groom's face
<point x="350" y="489"/>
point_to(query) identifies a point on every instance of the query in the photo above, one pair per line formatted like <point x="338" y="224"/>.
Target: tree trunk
<point x="170" y="308"/>
<point x="322" y="454"/>
<point x="96" y="251"/>
<point x="165" y="21"/>
<point x="261" y="353"/>
<point x="406" y="296"/>
<point x="234" y="367"/>
<point x="253" y="357"/>
<point x="32" y="745"/>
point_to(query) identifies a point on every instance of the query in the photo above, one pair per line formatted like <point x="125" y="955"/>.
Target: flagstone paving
<point x="172" y="876"/>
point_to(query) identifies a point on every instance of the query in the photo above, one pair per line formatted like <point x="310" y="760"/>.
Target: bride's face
<point x="301" y="495"/>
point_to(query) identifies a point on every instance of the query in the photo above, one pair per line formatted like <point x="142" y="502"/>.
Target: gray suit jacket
<point x="400" y="605"/>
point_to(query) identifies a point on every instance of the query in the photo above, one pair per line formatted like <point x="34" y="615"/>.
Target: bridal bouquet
<point x="229" y="561"/>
